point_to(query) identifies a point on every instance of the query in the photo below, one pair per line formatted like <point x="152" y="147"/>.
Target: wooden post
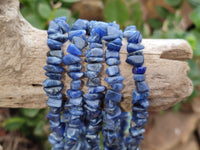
<point x="23" y="54"/>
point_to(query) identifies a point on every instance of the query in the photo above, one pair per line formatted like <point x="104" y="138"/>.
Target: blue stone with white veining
<point x="63" y="25"/>
<point x="54" y="103"/>
<point x="131" y="47"/>
<point x="139" y="70"/>
<point x="135" y="60"/>
<point x="138" y="108"/>
<point x="74" y="68"/>
<point x="51" y="75"/>
<point x="75" y="84"/>
<point x="60" y="129"/>
<point x="112" y="54"/>
<point x="77" y="111"/>
<point x="54" y="60"/>
<point x="53" y="116"/>
<point x="136" y="132"/>
<point x="139" y="121"/>
<point x="96" y="89"/>
<point x="135" y="38"/>
<point x="113" y="47"/>
<point x="79" y="33"/>
<point x="55" y="109"/>
<point x="79" y="42"/>
<point x="113" y="95"/>
<point x="144" y="103"/>
<point x="95" y="52"/>
<point x="132" y="28"/>
<point x="144" y="114"/>
<point x="94" y="37"/>
<point x="56" y="96"/>
<point x="73" y="49"/>
<point x="74" y="93"/>
<point x="114" y="24"/>
<point x="52" y="123"/>
<point x="75" y="75"/>
<point x="78" y="101"/>
<point x="142" y="87"/>
<point x="93" y="96"/>
<point x="95" y="45"/>
<point x="139" y="52"/>
<point x="51" y="83"/>
<point x="115" y="79"/>
<point x="94" y="59"/>
<point x="53" y="90"/>
<point x="55" y="53"/>
<point x="112" y="33"/>
<point x="112" y="71"/>
<point x="93" y="82"/>
<point x="93" y="103"/>
<point x="90" y="74"/>
<point x="117" y="86"/>
<point x="139" y="96"/>
<point x="53" y="44"/>
<point x="139" y="77"/>
<point x="53" y="68"/>
<point x="58" y="37"/>
<point x="80" y="24"/>
<point x="53" y="28"/>
<point x="63" y="18"/>
<point x="94" y="67"/>
<point x="71" y="59"/>
<point x="113" y="61"/>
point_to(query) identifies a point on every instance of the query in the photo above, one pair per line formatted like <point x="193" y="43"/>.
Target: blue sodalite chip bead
<point x="140" y="103"/>
<point x="112" y="131"/>
<point x="53" y="86"/>
<point x="73" y="112"/>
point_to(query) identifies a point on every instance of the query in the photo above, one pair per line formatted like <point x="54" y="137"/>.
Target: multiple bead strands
<point x="53" y="86"/>
<point x="140" y="103"/>
<point x="82" y="117"/>
<point x="73" y="114"/>
<point x="112" y="118"/>
<point x="93" y="99"/>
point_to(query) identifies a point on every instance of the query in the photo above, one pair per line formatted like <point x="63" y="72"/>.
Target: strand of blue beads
<point x="73" y="112"/>
<point x="135" y="57"/>
<point x="113" y="124"/>
<point x="93" y="99"/>
<point x="52" y="85"/>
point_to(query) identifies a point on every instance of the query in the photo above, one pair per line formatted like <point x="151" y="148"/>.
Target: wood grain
<point x="23" y="54"/>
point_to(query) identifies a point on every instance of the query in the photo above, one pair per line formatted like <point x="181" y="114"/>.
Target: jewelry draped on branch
<point x="76" y="123"/>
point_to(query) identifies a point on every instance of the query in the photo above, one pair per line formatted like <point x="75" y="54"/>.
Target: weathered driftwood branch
<point x="23" y="54"/>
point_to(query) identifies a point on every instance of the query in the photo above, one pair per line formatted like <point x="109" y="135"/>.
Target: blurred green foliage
<point x="31" y="122"/>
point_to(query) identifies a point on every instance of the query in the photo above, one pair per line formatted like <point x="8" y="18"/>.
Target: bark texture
<point x="23" y="54"/>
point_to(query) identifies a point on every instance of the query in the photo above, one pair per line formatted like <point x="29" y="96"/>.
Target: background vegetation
<point x="31" y="123"/>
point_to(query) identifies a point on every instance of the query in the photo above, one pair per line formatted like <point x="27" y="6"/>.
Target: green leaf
<point x="155" y="23"/>
<point x="38" y="131"/>
<point x="44" y="10"/>
<point x="195" y="17"/>
<point x="30" y="112"/>
<point x="116" y="10"/>
<point x="69" y="1"/>
<point x="136" y="15"/>
<point x="63" y="12"/>
<point x="14" y="123"/>
<point x="174" y="3"/>
<point x="192" y="41"/>
<point x="36" y="21"/>
<point x="177" y="107"/>
<point x="194" y="3"/>
<point x="162" y="12"/>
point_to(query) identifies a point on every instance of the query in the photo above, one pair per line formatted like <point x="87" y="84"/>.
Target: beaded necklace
<point x="140" y="103"/>
<point x="112" y="117"/>
<point x="53" y="86"/>
<point x="82" y="117"/>
<point x="93" y="100"/>
<point x="73" y="114"/>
